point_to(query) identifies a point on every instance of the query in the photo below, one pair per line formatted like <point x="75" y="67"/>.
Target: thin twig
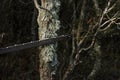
<point x="110" y="20"/>
<point x="81" y="41"/>
<point x="109" y="25"/>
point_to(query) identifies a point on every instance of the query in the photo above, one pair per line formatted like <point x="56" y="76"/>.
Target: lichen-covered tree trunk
<point x="48" y="25"/>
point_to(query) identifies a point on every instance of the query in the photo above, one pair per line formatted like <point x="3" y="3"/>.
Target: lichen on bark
<point x="48" y="25"/>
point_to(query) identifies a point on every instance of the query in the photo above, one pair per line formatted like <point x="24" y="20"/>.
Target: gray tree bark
<point x="48" y="25"/>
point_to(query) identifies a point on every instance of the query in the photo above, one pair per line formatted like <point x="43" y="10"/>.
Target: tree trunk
<point x="48" y="25"/>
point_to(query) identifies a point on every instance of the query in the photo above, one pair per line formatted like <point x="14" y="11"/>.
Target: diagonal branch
<point x="40" y="7"/>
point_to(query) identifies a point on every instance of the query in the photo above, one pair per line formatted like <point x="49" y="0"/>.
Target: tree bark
<point x="48" y="25"/>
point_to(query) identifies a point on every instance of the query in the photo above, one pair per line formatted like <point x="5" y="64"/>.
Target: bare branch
<point x="81" y="41"/>
<point x="110" y="20"/>
<point x="106" y="27"/>
<point x="95" y="34"/>
<point x="40" y="7"/>
<point x="99" y="25"/>
<point x="116" y="14"/>
<point x="109" y="9"/>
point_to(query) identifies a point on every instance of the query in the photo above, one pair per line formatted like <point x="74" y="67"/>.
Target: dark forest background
<point x="18" y="25"/>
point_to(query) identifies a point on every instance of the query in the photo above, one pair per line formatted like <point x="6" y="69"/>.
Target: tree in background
<point x="87" y="31"/>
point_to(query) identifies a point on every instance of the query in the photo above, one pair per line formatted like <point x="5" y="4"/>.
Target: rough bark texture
<point x="48" y="25"/>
